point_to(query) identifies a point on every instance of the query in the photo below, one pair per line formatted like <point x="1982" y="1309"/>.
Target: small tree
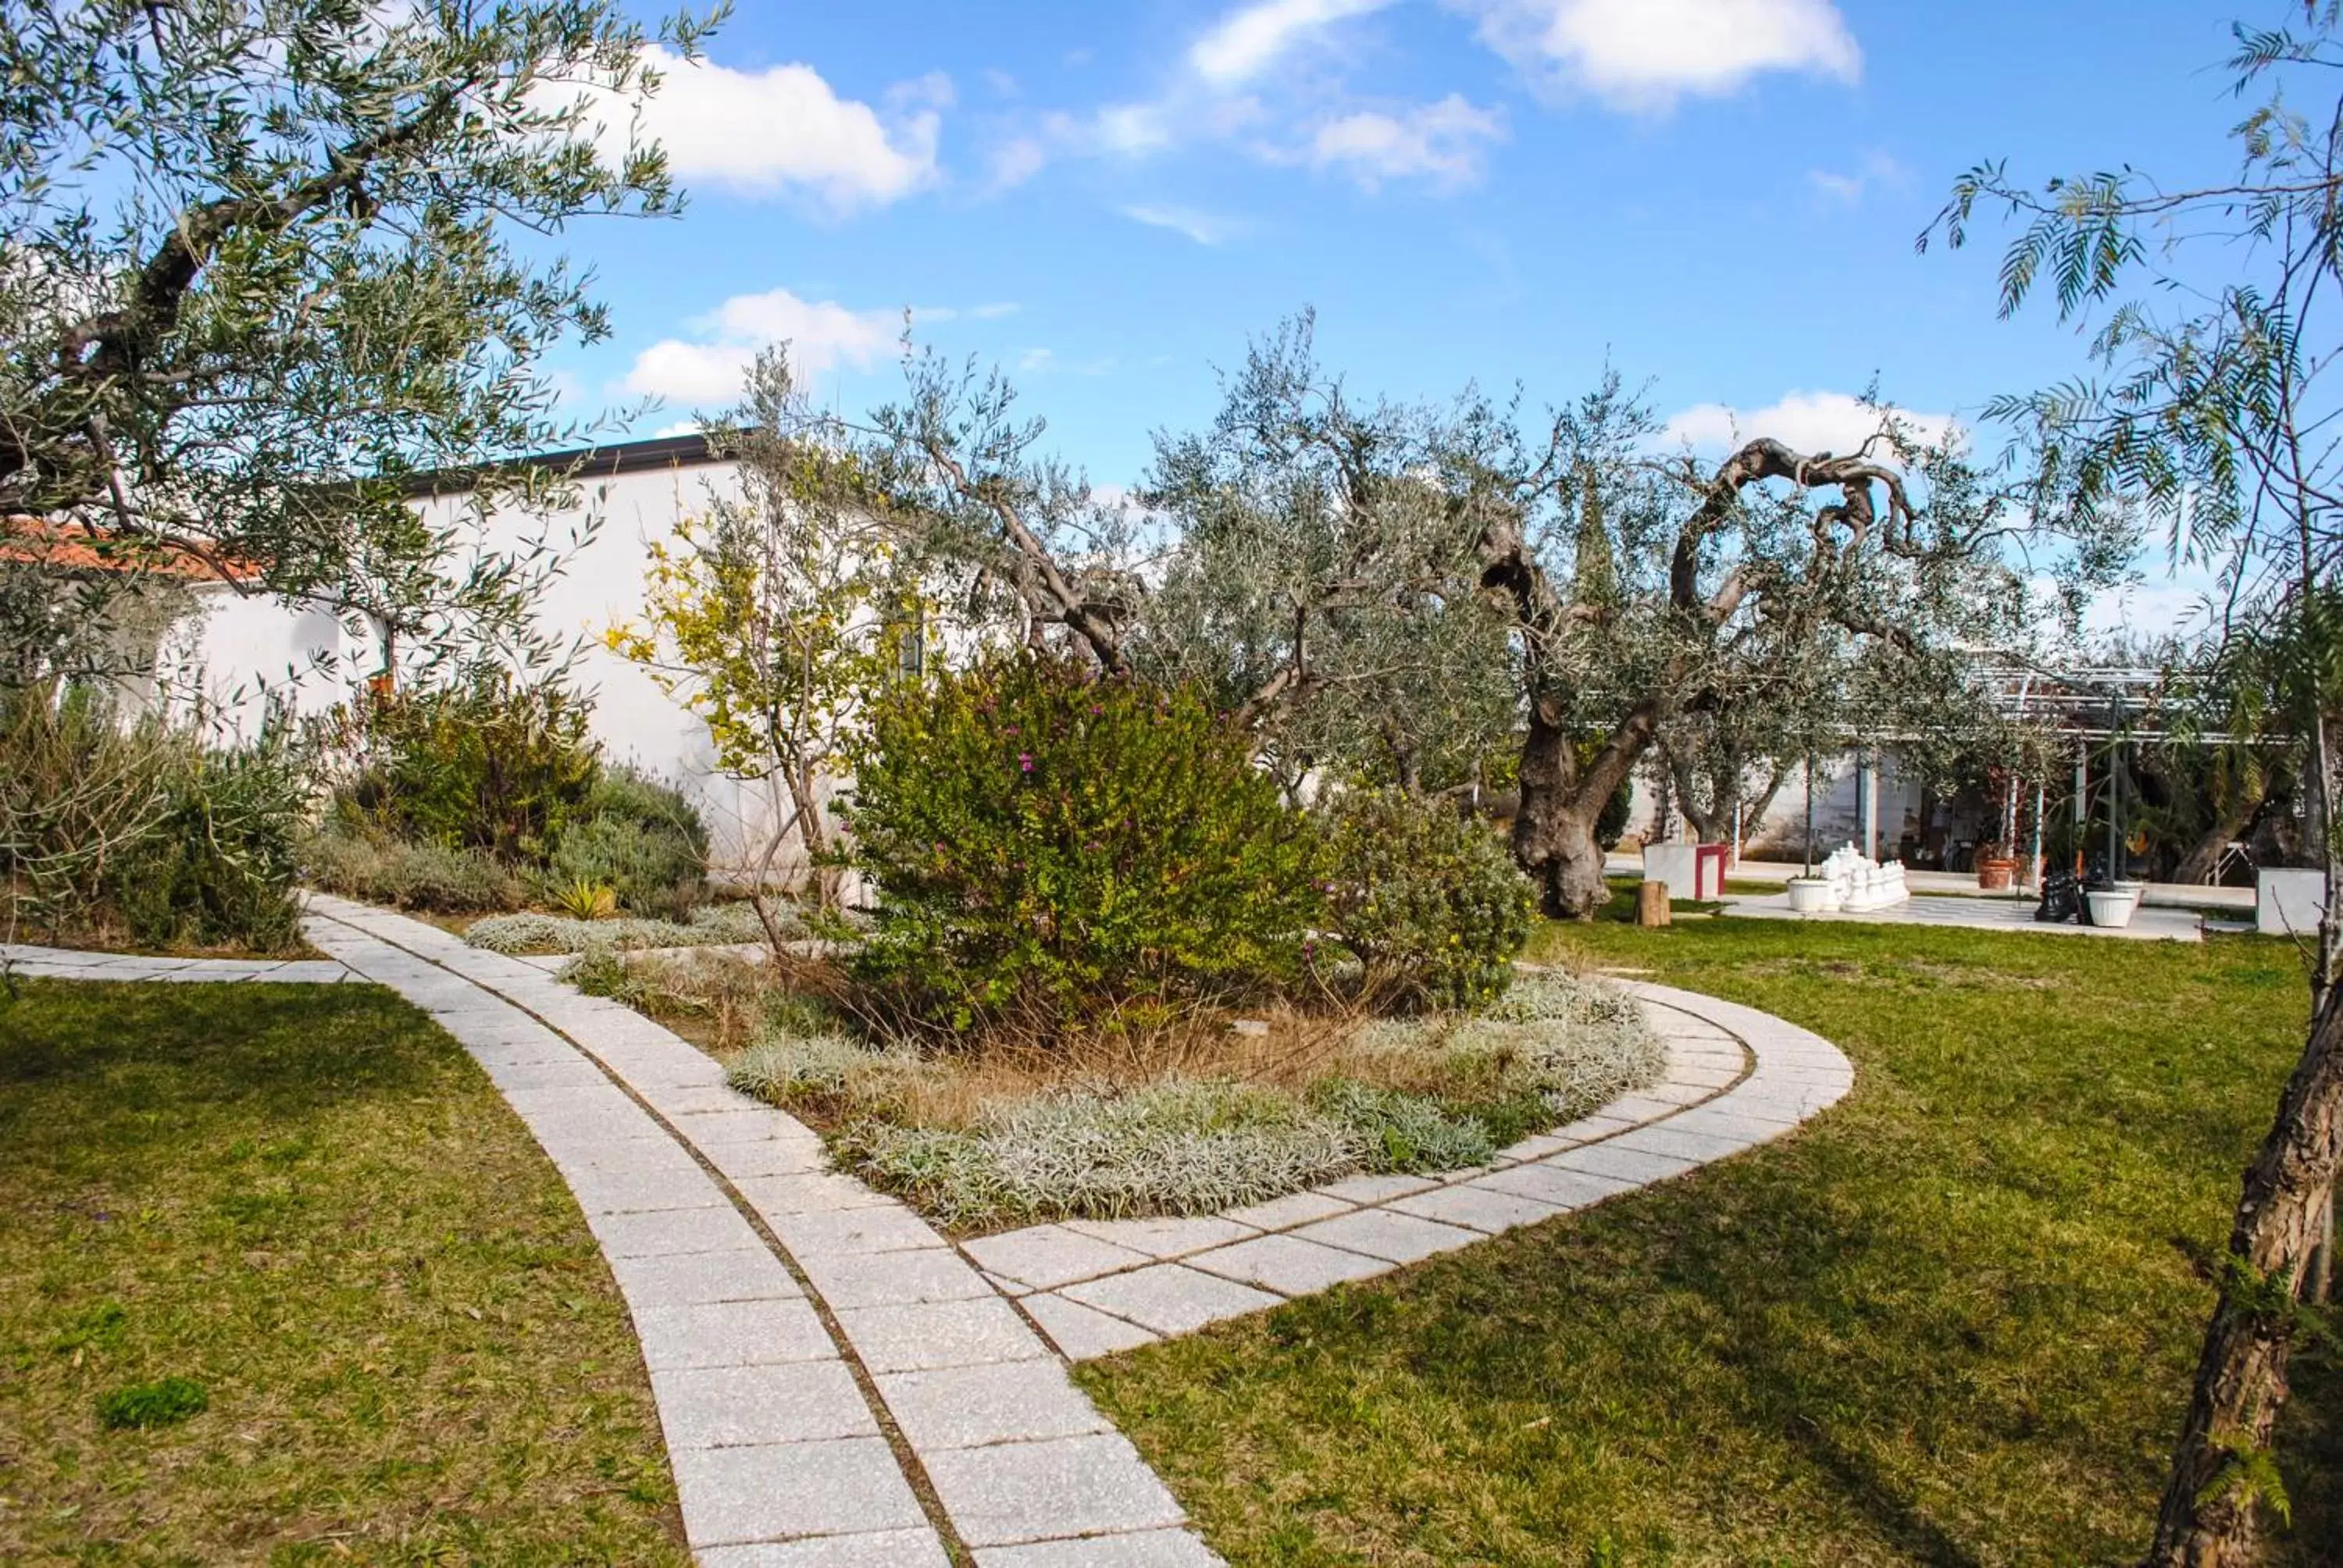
<point x="2213" y="417"/>
<point x="775" y="618"/>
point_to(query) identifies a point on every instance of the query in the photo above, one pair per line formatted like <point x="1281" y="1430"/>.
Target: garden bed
<point x="534" y="934"/>
<point x="1185" y="1112"/>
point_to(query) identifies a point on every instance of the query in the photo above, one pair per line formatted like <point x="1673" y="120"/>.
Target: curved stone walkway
<point x="1735" y="1078"/>
<point x="837" y="1384"/>
<point x="841" y="1387"/>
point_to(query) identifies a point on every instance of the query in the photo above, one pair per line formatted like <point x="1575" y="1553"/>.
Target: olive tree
<point x="262" y="263"/>
<point x="1721" y="585"/>
<point x="1299" y="558"/>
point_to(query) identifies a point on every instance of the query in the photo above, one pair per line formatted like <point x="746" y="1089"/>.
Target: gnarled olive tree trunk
<point x="1562" y="801"/>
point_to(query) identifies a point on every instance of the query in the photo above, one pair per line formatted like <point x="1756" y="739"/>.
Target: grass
<point x="283" y="1281"/>
<point x="1951" y="1323"/>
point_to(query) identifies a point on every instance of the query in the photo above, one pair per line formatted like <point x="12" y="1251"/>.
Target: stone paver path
<point x="67" y="963"/>
<point x="1735" y="1078"/>
<point x="840" y="1386"/>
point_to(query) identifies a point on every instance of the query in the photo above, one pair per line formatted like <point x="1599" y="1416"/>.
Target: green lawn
<point x="1950" y="1323"/>
<point x="307" y="1206"/>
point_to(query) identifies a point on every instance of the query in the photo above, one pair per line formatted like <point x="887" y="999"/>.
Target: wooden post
<point x="1652" y="904"/>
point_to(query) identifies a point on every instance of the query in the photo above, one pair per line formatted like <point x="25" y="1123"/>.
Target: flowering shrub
<point x="1044" y="841"/>
<point x="1431" y="902"/>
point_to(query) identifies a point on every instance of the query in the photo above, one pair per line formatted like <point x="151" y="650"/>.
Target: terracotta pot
<point x="1997" y="875"/>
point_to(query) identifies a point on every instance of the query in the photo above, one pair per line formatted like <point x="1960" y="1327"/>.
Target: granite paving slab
<point x="837" y="1384"/>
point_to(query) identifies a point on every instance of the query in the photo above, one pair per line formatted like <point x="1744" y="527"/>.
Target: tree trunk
<point x="1554" y="832"/>
<point x="2197" y="864"/>
<point x="813" y="833"/>
<point x="2222" y="1473"/>
<point x="2208" y="1518"/>
<point x="1553" y="839"/>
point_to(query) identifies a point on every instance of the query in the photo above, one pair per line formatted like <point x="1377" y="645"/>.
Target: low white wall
<point x="2288" y="903"/>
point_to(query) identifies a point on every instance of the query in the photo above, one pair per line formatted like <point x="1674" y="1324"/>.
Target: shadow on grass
<point x="1952" y="1321"/>
<point x="123" y="1064"/>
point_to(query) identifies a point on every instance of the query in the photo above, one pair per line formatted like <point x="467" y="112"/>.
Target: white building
<point x="241" y="650"/>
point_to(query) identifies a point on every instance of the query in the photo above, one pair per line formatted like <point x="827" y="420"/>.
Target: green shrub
<point x="1400" y="1132"/>
<point x="650" y="872"/>
<point x="1174" y="1146"/>
<point x="1044" y="841"/>
<point x="1429" y="901"/>
<point x="220" y="867"/>
<point x="790" y="1066"/>
<point x="143" y="829"/>
<point x="377" y="868"/>
<point x="494" y="763"/>
<point x="1177" y="1147"/>
<point x="639" y="838"/>
<point x="1552" y="1049"/>
<point x="628" y="794"/>
<point x="165" y="1402"/>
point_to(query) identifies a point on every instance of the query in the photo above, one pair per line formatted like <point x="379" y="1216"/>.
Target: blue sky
<point x="1718" y="195"/>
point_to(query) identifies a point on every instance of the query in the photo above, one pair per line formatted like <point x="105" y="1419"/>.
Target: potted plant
<point x="1997" y="869"/>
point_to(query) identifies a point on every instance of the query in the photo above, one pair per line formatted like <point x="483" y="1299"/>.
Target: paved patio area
<point x="2149" y="922"/>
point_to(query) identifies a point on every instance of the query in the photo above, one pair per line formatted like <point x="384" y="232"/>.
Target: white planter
<point x="2113" y="909"/>
<point x="1812" y="895"/>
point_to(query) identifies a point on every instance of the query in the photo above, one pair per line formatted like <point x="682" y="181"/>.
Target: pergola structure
<point x="2101" y="710"/>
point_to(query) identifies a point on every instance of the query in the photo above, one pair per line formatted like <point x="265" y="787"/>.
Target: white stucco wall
<point x="237" y="649"/>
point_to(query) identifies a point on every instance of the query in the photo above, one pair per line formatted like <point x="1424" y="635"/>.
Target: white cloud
<point x="1045" y="362"/>
<point x="1442" y="143"/>
<point x="941" y="313"/>
<point x="1203" y="227"/>
<point x="1248" y="41"/>
<point x="1230" y="88"/>
<point x="2152" y="608"/>
<point x="821" y="334"/>
<point x="1807" y="422"/>
<point x="1017" y="160"/>
<point x="784" y="129"/>
<point x="1646" y="54"/>
<point x="1876" y="171"/>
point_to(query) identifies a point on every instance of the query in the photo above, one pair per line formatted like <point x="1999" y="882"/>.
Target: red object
<point x="1708" y="872"/>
